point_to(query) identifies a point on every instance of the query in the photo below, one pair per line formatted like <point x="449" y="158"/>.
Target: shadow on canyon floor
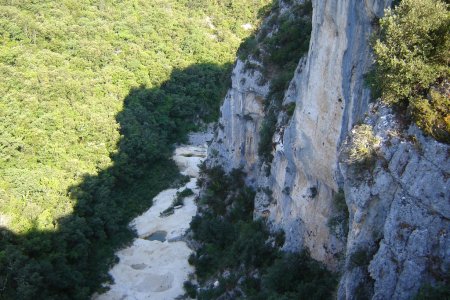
<point x="73" y="261"/>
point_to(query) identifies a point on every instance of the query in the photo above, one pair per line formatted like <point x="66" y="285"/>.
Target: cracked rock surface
<point x="399" y="213"/>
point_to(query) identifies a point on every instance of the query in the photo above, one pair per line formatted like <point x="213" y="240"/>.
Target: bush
<point x="282" y="52"/>
<point x="232" y="241"/>
<point x="178" y="200"/>
<point x="339" y="223"/>
<point x="247" y="48"/>
<point x="412" y="59"/>
<point x="433" y="115"/>
<point x="360" y="258"/>
<point x="428" y="292"/>
<point x="289" y="109"/>
<point x="190" y="288"/>
<point x="297" y="276"/>
<point x="363" y="145"/>
<point x="266" y="133"/>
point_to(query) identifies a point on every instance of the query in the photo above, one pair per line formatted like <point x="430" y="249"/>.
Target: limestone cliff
<point x="398" y="226"/>
<point x="236" y="137"/>
<point x="399" y="213"/>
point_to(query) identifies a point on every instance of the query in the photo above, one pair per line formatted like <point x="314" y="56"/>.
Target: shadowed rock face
<point x="237" y="136"/>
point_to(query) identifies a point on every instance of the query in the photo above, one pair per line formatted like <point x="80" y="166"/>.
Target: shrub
<point x="433" y="115"/>
<point x="266" y="133"/>
<point x="178" y="200"/>
<point x="247" y="48"/>
<point x="185" y="193"/>
<point x="297" y="276"/>
<point x="190" y="288"/>
<point x="289" y="108"/>
<point x="363" y="145"/>
<point x="231" y="240"/>
<point x="428" y="292"/>
<point x="339" y="223"/>
<point x="339" y="201"/>
<point x="360" y="258"/>
<point x="412" y="58"/>
<point x="282" y="52"/>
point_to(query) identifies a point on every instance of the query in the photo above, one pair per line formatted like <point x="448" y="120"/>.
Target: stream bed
<point x="156" y="265"/>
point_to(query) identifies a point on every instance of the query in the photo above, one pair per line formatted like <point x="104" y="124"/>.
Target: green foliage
<point x="232" y="241"/>
<point x="185" y="193"/>
<point x="225" y="228"/>
<point x="280" y="54"/>
<point x="73" y="260"/>
<point x="339" y="223"/>
<point x="248" y="47"/>
<point x="178" y="200"/>
<point x="291" y="41"/>
<point x="360" y="258"/>
<point x="296" y="276"/>
<point x="181" y="181"/>
<point x="339" y="201"/>
<point x="289" y="108"/>
<point x="412" y="58"/>
<point x="433" y="115"/>
<point x="66" y="67"/>
<point x="266" y="133"/>
<point x="94" y="93"/>
<point x="427" y="292"/>
<point x="191" y="289"/>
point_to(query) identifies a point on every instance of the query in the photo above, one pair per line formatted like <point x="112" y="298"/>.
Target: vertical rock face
<point x="235" y="144"/>
<point x="399" y="214"/>
<point x="399" y="210"/>
<point x="330" y="96"/>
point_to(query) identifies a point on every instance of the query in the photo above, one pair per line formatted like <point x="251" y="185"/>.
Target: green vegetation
<point x="428" y="292"/>
<point x="280" y="53"/>
<point x="412" y="63"/>
<point x="177" y="201"/>
<point x="289" y="108"/>
<point x="339" y="223"/>
<point x="360" y="258"/>
<point x="266" y="133"/>
<point x="242" y="254"/>
<point x="94" y="93"/>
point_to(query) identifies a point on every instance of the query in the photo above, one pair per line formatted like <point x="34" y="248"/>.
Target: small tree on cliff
<point x="413" y="63"/>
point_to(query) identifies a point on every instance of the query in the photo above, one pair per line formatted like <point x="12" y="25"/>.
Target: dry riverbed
<point x="156" y="264"/>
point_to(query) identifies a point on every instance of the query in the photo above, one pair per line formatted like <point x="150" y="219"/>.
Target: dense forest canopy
<point x="93" y="95"/>
<point x="66" y="67"/>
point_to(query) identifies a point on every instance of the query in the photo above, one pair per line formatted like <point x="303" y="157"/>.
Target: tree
<point x="412" y="59"/>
